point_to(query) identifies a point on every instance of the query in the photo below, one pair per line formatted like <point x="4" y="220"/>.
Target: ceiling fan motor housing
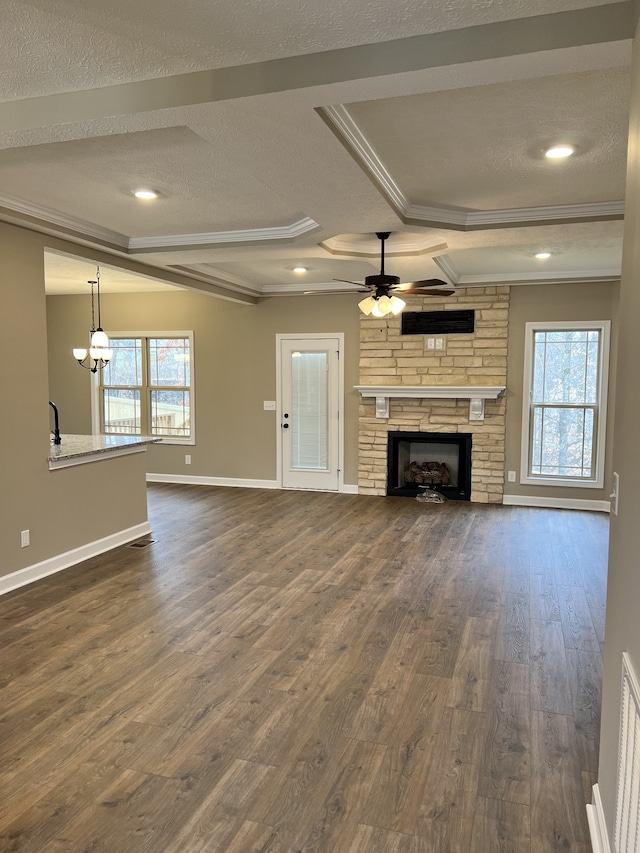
<point x="381" y="282"/>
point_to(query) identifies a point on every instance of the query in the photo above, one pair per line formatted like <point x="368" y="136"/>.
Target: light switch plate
<point x="615" y="494"/>
<point x="269" y="405"/>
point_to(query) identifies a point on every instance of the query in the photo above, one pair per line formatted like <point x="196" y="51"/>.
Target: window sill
<point x="561" y="483"/>
<point x="165" y="439"/>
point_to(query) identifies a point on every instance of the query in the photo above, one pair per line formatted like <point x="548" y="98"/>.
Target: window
<point x="147" y="386"/>
<point x="565" y="395"/>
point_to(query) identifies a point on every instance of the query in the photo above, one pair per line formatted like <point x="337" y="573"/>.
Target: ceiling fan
<point x="382" y="288"/>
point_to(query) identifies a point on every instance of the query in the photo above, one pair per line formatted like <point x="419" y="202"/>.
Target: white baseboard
<point x="556" y="503"/>
<point x="188" y="480"/>
<point x="70" y="558"/>
<point x="597" y="824"/>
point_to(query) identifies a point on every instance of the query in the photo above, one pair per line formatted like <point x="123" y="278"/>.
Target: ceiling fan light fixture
<point x="397" y="304"/>
<point x="384" y="305"/>
<point x="367" y="305"/>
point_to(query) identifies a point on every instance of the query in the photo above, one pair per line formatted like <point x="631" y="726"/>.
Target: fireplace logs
<point x="428" y="474"/>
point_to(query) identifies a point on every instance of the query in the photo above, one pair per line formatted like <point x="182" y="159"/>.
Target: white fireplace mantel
<point x="476" y="394"/>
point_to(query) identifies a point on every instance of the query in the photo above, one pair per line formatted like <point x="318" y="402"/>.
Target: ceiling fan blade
<point x="331" y="292"/>
<point x="348" y="281"/>
<point x="427" y="282"/>
<point x="429" y="291"/>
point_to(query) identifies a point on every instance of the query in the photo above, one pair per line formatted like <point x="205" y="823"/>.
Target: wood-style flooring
<point x="289" y="671"/>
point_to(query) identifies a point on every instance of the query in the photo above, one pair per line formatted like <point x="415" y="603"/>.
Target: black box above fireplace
<point x="438" y="322"/>
<point x="429" y="460"/>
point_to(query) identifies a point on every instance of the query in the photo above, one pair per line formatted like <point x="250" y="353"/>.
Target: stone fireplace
<point x="407" y="385"/>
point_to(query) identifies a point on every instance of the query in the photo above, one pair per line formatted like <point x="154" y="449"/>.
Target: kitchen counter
<point x="80" y="449"/>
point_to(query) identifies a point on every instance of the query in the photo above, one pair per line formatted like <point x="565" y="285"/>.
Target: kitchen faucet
<point x="56" y="431"/>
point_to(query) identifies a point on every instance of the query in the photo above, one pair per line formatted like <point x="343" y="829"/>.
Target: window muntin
<point x="565" y="403"/>
<point x="146" y="387"/>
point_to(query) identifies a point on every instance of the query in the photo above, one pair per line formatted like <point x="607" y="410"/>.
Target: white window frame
<point x="95" y="389"/>
<point x="597" y="481"/>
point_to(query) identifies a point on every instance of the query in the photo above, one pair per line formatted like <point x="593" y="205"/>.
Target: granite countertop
<point x="76" y="449"/>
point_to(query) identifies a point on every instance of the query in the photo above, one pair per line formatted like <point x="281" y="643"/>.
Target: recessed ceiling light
<point x="299" y="269"/>
<point x="543" y="255"/>
<point x="146" y="194"/>
<point x="557" y="152"/>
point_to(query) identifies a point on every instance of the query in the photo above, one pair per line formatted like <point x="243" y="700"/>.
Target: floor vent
<point x="141" y="543"/>
<point x="627" y="829"/>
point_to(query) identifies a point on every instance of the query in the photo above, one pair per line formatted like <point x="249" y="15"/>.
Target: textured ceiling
<point x="482" y="147"/>
<point x="71" y="44"/>
<point x="272" y="129"/>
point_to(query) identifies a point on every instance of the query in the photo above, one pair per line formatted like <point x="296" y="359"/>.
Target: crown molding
<point x="297" y="289"/>
<point x="278" y="233"/>
<point x="514" y="217"/>
<point x="454" y="275"/>
<point x="15" y="210"/>
<point x="404" y="246"/>
<point x="211" y="275"/>
<point x="448" y="268"/>
<point x="569" y="277"/>
<point x="341" y="122"/>
<point x="53" y="219"/>
<point x="345" y="128"/>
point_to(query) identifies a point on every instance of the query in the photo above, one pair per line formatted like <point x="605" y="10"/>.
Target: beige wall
<point x="235" y="371"/>
<point x="552" y="302"/>
<point x="623" y="598"/>
<point x="50" y="504"/>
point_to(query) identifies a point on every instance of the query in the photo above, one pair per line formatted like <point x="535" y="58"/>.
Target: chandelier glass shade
<point x="98" y="354"/>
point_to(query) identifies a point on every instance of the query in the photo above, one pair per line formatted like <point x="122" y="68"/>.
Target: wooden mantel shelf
<point x="476" y="394"/>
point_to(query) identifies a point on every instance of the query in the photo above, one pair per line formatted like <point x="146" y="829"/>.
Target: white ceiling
<point x="286" y="133"/>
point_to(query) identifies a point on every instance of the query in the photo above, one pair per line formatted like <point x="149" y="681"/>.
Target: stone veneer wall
<point x="389" y="358"/>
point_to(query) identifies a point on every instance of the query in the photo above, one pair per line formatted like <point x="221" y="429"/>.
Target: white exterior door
<point x="309" y="409"/>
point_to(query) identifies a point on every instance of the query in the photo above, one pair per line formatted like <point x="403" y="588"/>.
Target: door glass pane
<point x="309" y="410"/>
<point x="121" y="411"/>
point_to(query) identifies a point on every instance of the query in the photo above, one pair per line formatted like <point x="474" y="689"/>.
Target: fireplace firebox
<point x="434" y="460"/>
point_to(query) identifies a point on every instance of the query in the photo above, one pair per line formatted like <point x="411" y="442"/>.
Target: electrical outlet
<point x="25" y="539"/>
<point x="187" y="459"/>
<point x="511" y="476"/>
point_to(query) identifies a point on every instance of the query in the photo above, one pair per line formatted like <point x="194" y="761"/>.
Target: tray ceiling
<point x="276" y="132"/>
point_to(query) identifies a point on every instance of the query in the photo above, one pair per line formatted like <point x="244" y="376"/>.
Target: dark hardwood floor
<point x="292" y="671"/>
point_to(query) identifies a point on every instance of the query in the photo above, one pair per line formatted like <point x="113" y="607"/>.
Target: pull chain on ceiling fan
<point x="381" y="289"/>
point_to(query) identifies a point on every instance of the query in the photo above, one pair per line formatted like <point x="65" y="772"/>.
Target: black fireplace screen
<point x="434" y="460"/>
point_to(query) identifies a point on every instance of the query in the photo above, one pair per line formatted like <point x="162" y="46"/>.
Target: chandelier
<point x="99" y="354"/>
